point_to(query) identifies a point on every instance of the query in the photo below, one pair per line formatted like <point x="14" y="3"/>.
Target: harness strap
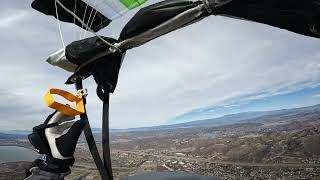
<point x="105" y="137"/>
<point x="103" y="92"/>
<point x="105" y="175"/>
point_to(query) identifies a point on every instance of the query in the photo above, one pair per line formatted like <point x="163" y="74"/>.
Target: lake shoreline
<point x="13" y="153"/>
<point x="17" y="145"/>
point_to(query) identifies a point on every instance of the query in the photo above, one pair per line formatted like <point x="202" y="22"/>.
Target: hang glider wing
<point x="158" y="19"/>
<point x="92" y="56"/>
<point x="93" y="14"/>
<point x="302" y="17"/>
<point x="78" y="7"/>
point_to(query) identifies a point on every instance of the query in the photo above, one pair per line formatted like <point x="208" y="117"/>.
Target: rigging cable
<point x="79" y="19"/>
<point x="57" y="15"/>
<point x="83" y="19"/>
<point x="74" y="19"/>
<point x="88" y="22"/>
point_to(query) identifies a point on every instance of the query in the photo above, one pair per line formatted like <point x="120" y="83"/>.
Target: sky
<point x="214" y="67"/>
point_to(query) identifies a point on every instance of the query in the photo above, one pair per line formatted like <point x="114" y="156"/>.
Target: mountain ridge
<point x="228" y="119"/>
<point x="223" y="120"/>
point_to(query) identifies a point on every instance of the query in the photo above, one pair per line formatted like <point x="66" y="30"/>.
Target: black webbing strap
<point x="90" y="139"/>
<point x="44" y="126"/>
<point x="105" y="137"/>
<point x="104" y="95"/>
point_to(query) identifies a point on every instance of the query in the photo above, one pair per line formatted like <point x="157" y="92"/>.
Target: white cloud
<point x="13" y="19"/>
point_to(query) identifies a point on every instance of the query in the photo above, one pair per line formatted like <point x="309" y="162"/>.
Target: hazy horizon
<point x="173" y="123"/>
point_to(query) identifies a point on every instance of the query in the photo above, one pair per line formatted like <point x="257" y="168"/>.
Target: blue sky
<point x="301" y="98"/>
<point x="217" y="62"/>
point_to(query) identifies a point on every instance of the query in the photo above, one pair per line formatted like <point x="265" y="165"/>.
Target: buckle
<point x="82" y="93"/>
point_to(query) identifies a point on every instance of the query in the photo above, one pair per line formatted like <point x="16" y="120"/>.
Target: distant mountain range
<point x="256" y="116"/>
<point x="11" y="135"/>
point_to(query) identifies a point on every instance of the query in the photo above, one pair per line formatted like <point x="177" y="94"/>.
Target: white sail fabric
<point x="59" y="59"/>
<point x="113" y="9"/>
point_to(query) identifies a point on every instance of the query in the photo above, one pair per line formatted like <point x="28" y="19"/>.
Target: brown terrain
<point x="276" y="145"/>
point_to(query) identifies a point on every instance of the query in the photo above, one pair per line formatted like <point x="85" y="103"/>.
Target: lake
<point x="15" y="153"/>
